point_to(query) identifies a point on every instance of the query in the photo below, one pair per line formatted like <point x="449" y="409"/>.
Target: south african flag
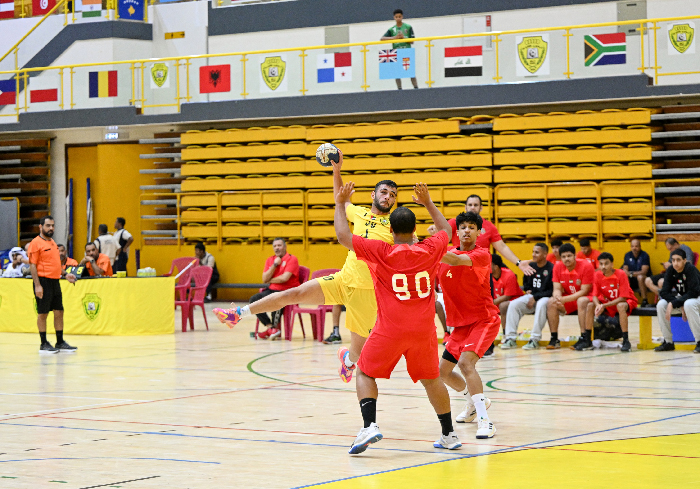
<point x="605" y="49"/>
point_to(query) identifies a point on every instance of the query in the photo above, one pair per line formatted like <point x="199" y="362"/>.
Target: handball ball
<point x="327" y="153"/>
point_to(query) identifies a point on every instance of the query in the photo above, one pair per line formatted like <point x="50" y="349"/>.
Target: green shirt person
<point x="400" y="31"/>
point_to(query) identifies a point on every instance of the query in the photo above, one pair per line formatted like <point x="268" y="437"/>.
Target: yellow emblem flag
<point x="681" y="38"/>
<point x="532" y="55"/>
<point x="274" y="71"/>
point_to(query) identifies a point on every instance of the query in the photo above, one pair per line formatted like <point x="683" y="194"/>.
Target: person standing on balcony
<point x="124" y="240"/>
<point x="398" y="32"/>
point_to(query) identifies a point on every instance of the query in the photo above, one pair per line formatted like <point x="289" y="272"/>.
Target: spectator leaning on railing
<point x="400" y="31"/>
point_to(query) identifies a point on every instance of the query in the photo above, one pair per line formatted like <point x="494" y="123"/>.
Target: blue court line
<point x="225" y="438"/>
<point x="497" y="451"/>
<point x="110" y="458"/>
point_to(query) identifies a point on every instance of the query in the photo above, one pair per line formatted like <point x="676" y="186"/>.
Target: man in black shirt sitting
<point x="685" y="278"/>
<point x="538" y="289"/>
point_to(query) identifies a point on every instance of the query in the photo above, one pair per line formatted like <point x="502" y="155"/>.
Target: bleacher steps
<point x="675" y="153"/>
<point x="678" y="227"/>
<point x="10" y="162"/>
<point x="153" y="232"/>
<point x="675" y="171"/>
<point x="160" y="140"/>
<point x="668" y="208"/>
<point x="674" y="134"/>
<point x="11" y="176"/>
<point x="677" y="190"/>
<point x="159" y="155"/>
<point x="675" y="116"/>
<point x="168" y="171"/>
<point x="159" y="202"/>
<point x="10" y="149"/>
<point x="169" y="186"/>
<point x="475" y="127"/>
<point x="10" y="191"/>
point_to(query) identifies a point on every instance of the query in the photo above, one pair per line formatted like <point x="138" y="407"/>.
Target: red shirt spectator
<point x="571" y="280"/>
<point x="607" y="289"/>
<point x="289" y="263"/>
<point x="506" y="284"/>
<point x="489" y="234"/>
<point x="589" y="254"/>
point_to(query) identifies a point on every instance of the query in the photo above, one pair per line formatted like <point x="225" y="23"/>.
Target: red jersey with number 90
<point x="404" y="278"/>
<point x="571" y="281"/>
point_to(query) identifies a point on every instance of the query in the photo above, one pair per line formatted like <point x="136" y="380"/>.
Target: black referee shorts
<point x="53" y="298"/>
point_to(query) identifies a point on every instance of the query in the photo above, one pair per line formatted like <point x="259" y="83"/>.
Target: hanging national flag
<point x="43" y="88"/>
<point x="463" y="61"/>
<point x="7" y="92"/>
<point x="7" y="9"/>
<point x="215" y="78"/>
<point x="103" y="84"/>
<point x="42" y="7"/>
<point x="605" y="49"/>
<point x="334" y="67"/>
<point x="397" y="63"/>
<point x="91" y="8"/>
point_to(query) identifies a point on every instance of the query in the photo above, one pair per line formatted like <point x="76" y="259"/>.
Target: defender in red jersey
<point x="505" y="286"/>
<point x="573" y="281"/>
<point x="465" y="280"/>
<point x="403" y="275"/>
<point x="613" y="301"/>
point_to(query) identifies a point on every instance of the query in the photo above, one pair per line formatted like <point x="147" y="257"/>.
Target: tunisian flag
<point x="42" y="7"/>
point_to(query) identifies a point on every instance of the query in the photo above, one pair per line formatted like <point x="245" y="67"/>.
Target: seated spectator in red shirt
<point x="613" y="301"/>
<point x="573" y="281"/>
<point x="281" y="273"/>
<point x="505" y="286"/>
<point x="553" y="257"/>
<point x="587" y="253"/>
<point x="66" y="261"/>
<point x="96" y="264"/>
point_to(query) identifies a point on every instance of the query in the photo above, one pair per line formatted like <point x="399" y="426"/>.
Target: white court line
<point x="56" y="411"/>
<point x="69" y="397"/>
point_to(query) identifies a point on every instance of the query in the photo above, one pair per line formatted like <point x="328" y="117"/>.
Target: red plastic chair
<point x="318" y="314"/>
<point x="287" y="316"/>
<point x="201" y="277"/>
<point x="179" y="264"/>
<point x="184" y="281"/>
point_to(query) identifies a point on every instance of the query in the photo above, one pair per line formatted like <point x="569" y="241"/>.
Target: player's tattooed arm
<point x="337" y="178"/>
<point x="454" y="259"/>
<point x="422" y="197"/>
<point x="340" y="219"/>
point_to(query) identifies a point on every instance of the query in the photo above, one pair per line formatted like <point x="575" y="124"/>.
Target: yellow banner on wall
<point x="109" y="306"/>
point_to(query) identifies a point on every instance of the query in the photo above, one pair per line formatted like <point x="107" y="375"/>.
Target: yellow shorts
<point x="360" y="304"/>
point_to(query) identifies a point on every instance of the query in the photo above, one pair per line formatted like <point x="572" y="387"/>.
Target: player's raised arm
<point x="337" y="178"/>
<point x="422" y="197"/>
<point x="340" y="219"/>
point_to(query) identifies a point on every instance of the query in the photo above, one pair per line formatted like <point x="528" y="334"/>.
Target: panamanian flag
<point x="7" y="92"/>
<point x="605" y="49"/>
<point x="334" y="67"/>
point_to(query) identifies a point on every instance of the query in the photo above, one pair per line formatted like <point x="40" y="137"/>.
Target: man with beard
<point x="352" y="286"/>
<point x="45" y="266"/>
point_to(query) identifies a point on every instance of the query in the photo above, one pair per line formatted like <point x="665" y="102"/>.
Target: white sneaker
<point x="531" y="345"/>
<point x="485" y="429"/>
<point x="450" y="442"/>
<point x="365" y="438"/>
<point x="509" y="344"/>
<point x="469" y="413"/>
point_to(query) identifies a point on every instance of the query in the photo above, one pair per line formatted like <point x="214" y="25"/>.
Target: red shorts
<point x="476" y="337"/>
<point x="381" y="353"/>
<point x="631" y="305"/>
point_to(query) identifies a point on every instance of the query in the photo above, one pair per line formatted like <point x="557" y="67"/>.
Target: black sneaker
<point x="626" y="346"/>
<point x="583" y="344"/>
<point x="577" y="346"/>
<point x="65" y="347"/>
<point x="645" y="303"/>
<point x="554" y="344"/>
<point x="697" y="348"/>
<point x="333" y="339"/>
<point x="665" y="347"/>
<point x="47" y="349"/>
<point x="489" y="352"/>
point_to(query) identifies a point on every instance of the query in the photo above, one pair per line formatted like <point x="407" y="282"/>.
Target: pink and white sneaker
<point x="344" y="371"/>
<point x="230" y="317"/>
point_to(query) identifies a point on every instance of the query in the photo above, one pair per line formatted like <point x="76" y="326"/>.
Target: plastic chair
<point x="201" y="277"/>
<point x="318" y="314"/>
<point x="183" y="282"/>
<point x="179" y="264"/>
<point x="287" y="317"/>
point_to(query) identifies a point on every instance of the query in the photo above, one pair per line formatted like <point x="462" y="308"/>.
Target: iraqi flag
<point x="7" y="92"/>
<point x="43" y="88"/>
<point x="334" y="67"/>
<point x="215" y="78"/>
<point x="463" y="61"/>
<point x="605" y="49"/>
<point x="7" y="9"/>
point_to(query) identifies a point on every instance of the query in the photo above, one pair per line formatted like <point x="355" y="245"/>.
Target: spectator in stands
<point x="106" y="244"/>
<point x="637" y="267"/>
<point x="124" y="240"/>
<point x="281" y="272"/>
<point x="66" y="261"/>
<point x="505" y="286"/>
<point x="656" y="282"/>
<point x="685" y="279"/>
<point x="96" y="264"/>
<point x="587" y="253"/>
<point x="572" y="280"/>
<point x="553" y="257"/>
<point x="538" y="290"/>
<point x="400" y="31"/>
<point x="613" y="302"/>
<point x="206" y="259"/>
<point x="14" y="269"/>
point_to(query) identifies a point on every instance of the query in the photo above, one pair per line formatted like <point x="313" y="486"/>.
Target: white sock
<point x="480" y="405"/>
<point x="245" y="311"/>
<point x="467" y="397"/>
<point x="347" y="362"/>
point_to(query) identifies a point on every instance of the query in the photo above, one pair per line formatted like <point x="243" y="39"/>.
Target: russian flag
<point x="334" y="67"/>
<point x="7" y="92"/>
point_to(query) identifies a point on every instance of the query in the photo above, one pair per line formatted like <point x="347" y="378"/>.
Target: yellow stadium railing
<point x="182" y="63"/>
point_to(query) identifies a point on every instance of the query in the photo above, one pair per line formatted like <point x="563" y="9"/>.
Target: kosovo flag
<point x="131" y="9"/>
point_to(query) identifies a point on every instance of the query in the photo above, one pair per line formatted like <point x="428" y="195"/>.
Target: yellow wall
<point x="114" y="175"/>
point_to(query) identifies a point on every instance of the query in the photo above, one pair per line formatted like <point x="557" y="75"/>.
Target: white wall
<point x="13" y="30"/>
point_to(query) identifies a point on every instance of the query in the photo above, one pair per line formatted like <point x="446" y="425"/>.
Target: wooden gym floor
<point x="218" y="409"/>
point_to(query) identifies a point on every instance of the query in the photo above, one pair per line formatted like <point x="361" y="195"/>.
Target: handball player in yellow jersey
<point x="352" y="286"/>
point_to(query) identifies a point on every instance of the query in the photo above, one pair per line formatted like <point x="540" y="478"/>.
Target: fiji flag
<point x="397" y="63"/>
<point x="334" y="67"/>
<point x="7" y="92"/>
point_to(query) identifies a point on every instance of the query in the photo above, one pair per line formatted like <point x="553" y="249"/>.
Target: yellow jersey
<point x="355" y="272"/>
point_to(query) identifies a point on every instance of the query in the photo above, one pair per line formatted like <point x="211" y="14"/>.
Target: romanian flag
<point x="103" y="84"/>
